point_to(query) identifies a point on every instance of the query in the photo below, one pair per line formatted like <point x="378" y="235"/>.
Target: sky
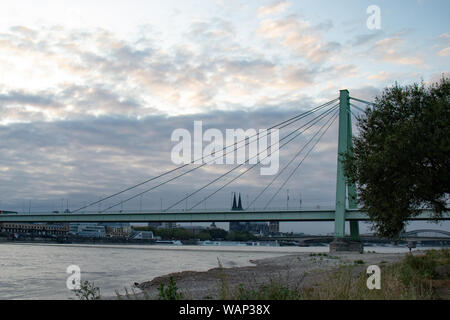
<point x="90" y="91"/>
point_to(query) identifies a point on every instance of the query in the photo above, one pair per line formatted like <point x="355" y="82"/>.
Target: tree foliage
<point x="207" y="234"/>
<point x="400" y="159"/>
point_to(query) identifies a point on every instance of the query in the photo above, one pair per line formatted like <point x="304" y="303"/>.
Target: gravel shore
<point x="297" y="270"/>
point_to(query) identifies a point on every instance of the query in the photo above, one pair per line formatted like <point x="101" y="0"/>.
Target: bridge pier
<point x="354" y="230"/>
<point x="343" y="187"/>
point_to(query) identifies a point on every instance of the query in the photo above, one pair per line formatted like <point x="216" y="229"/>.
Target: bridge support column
<point x="340" y="243"/>
<point x="351" y="187"/>
<point x="354" y="230"/>
<point x="341" y="185"/>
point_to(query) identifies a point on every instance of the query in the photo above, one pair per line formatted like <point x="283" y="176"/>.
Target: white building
<point x="91" y="230"/>
<point x="142" y="235"/>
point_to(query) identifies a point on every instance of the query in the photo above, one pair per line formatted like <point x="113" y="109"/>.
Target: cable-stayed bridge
<point x="323" y="117"/>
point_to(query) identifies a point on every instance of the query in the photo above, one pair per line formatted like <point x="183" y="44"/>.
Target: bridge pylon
<point x="344" y="190"/>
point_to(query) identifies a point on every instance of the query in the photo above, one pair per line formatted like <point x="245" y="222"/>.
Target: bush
<point x="169" y="293"/>
<point x="87" y="291"/>
<point x="409" y="279"/>
<point x="424" y="266"/>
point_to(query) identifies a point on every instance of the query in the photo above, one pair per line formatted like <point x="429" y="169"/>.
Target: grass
<point x="274" y="289"/>
<point x="410" y="279"/>
<point x="318" y="254"/>
<point x="416" y="277"/>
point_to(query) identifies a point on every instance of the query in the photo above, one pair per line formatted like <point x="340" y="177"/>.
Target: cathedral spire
<point x="239" y="207"/>
<point x="234" y="202"/>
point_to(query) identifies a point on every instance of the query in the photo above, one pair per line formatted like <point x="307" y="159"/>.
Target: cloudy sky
<point x="90" y="91"/>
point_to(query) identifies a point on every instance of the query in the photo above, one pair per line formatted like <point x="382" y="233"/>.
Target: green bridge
<point x="345" y="211"/>
<point x="219" y="216"/>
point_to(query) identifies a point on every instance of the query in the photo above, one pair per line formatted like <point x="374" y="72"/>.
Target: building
<point x="142" y="235"/>
<point x="260" y="228"/>
<point x="155" y="225"/>
<point x="170" y="225"/>
<point x="118" y="232"/>
<point x="88" y="230"/>
<point x="121" y="230"/>
<point x="237" y="226"/>
<point x="35" y="229"/>
<point x="274" y="227"/>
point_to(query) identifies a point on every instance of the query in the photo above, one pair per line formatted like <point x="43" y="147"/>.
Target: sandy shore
<point x="297" y="270"/>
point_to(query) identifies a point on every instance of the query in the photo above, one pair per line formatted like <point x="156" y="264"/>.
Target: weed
<point x="87" y="291"/>
<point x="169" y="293"/>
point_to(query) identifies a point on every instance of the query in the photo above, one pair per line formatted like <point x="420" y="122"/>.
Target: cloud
<point x="381" y="76"/>
<point x="445" y="36"/>
<point x="437" y="77"/>
<point x="43" y="99"/>
<point x="279" y="6"/>
<point x="76" y="73"/>
<point x="85" y="112"/>
<point x="82" y="160"/>
<point x="299" y="36"/>
<point x="444" y="52"/>
<point x="70" y="101"/>
<point x="390" y="50"/>
<point x="367" y="93"/>
<point x="362" y="39"/>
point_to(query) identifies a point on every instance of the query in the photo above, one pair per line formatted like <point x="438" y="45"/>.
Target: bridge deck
<point x="226" y="216"/>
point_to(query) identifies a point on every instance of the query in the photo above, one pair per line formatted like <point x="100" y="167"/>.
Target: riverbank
<point x="297" y="271"/>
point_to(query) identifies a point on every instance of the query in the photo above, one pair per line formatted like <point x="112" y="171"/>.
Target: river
<point x="38" y="271"/>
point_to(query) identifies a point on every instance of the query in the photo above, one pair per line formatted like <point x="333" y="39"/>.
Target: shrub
<point x="169" y="293"/>
<point x="87" y="291"/>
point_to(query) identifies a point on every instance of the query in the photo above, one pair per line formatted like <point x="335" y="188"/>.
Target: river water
<point x="38" y="271"/>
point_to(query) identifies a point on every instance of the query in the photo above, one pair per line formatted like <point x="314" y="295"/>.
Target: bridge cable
<point x="353" y="114"/>
<point x="317" y="119"/>
<point x="281" y="125"/>
<point x="285" y="167"/>
<point x="292" y="173"/>
<point x="363" y="101"/>
<point x="229" y="182"/>
<point x="357" y="107"/>
<point x="193" y="169"/>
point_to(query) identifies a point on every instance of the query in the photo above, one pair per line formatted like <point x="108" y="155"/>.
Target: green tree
<point x="218" y="233"/>
<point x="204" y="235"/>
<point x="182" y="234"/>
<point x="400" y="159"/>
<point x="240" y="236"/>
